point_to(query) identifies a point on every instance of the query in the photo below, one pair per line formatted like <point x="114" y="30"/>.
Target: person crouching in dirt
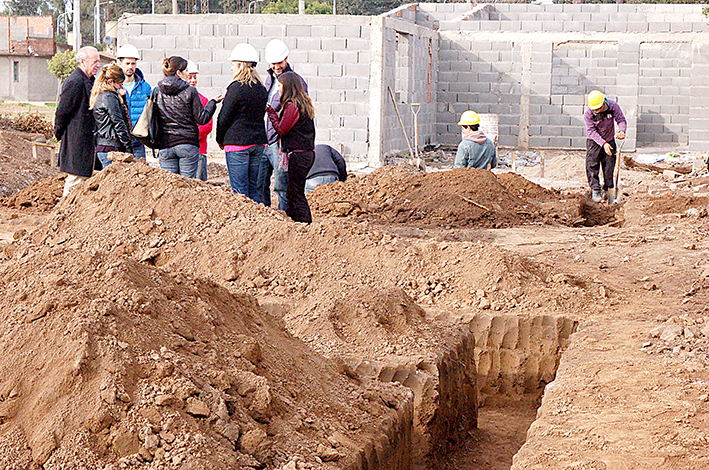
<point x="475" y="149"/>
<point x="328" y="167"/>
<point x="111" y="114"/>
<point x="294" y="124"/>
<point x="600" y="117"/>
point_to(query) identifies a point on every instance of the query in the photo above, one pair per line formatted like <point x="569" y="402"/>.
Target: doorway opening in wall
<point x="402" y="72"/>
<point x="16" y="71"/>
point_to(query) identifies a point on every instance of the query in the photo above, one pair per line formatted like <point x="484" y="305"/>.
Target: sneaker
<point x="596" y="195"/>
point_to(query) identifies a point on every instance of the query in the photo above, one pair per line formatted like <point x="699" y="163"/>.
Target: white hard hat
<point x="276" y="51"/>
<point x="128" y="51"/>
<point x="192" y="67"/>
<point x="244" y="53"/>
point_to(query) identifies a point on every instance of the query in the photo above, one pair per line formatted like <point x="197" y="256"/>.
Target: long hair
<point x="173" y="65"/>
<point x="246" y="73"/>
<point x="108" y="73"/>
<point x="294" y="91"/>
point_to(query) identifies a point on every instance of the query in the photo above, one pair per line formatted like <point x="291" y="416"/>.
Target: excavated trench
<point x="473" y="404"/>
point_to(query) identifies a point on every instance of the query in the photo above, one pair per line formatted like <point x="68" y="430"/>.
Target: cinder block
<point x="321" y="57"/>
<point x="357" y="70"/>
<point x="470" y="25"/>
<point x="248" y="31"/>
<point x="351" y="44"/>
<point x="298" y="30"/>
<point x="330" y="70"/>
<point x="559" y="142"/>
<point x="637" y="27"/>
<point x="153" y="30"/>
<point x="662" y="27"/>
<point x="208" y="43"/>
<point x="272" y="31"/>
<point x="348" y="31"/>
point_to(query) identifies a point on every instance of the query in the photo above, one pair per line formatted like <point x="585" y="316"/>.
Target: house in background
<point x="26" y="43"/>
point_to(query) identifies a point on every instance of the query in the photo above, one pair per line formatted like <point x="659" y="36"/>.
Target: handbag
<point x="147" y="128"/>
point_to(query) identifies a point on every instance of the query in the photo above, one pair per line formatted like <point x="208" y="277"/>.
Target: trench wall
<point x="533" y="64"/>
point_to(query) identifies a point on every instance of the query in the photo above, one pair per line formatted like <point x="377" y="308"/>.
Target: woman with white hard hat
<point x="206" y="129"/>
<point x="241" y="130"/>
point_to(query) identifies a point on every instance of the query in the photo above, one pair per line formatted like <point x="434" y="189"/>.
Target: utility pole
<point x="175" y="10"/>
<point x="77" y="25"/>
<point x="97" y="23"/>
<point x="334" y="7"/>
<point x="301" y="7"/>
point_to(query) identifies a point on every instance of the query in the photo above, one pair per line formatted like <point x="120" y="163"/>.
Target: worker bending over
<point x="600" y="117"/>
<point x="475" y="149"/>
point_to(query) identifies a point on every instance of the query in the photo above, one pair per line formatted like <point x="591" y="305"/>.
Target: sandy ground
<point x="631" y="390"/>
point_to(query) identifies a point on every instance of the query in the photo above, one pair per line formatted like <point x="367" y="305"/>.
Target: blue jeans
<point x="138" y="150"/>
<point x="181" y="159"/>
<point x="202" y="167"/>
<point x="271" y="159"/>
<point x="103" y="156"/>
<point x="243" y="167"/>
<point x="311" y="183"/>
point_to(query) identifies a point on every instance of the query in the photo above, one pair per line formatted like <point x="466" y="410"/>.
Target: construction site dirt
<point x="461" y="319"/>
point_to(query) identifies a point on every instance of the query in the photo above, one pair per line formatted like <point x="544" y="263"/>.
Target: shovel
<point x="614" y="193"/>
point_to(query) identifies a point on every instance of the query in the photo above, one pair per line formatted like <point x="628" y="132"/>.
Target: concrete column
<point x="699" y="97"/>
<point x="377" y="93"/>
<point x="627" y="89"/>
<point x="523" y="137"/>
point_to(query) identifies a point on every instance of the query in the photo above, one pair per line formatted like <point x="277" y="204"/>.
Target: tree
<point x="28" y="7"/>
<point x="367" y="7"/>
<point x="62" y="64"/>
<point x="291" y="6"/>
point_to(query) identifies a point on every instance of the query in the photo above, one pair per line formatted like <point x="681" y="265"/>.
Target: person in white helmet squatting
<point x="137" y="89"/>
<point x="600" y="116"/>
<point x="277" y="58"/>
<point x="205" y="130"/>
<point x="475" y="149"/>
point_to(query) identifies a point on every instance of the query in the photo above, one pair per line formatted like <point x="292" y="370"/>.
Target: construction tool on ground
<point x="614" y="193"/>
<point x="403" y="129"/>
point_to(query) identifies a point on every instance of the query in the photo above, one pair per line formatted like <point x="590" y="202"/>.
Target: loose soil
<point x="153" y="321"/>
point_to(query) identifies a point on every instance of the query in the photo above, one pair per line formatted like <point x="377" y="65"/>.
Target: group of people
<point x="264" y="127"/>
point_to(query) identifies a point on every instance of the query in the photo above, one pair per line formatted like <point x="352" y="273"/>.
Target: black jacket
<point x="74" y="126"/>
<point x="328" y="161"/>
<point x="111" y="127"/>
<point x="240" y="120"/>
<point x="180" y="112"/>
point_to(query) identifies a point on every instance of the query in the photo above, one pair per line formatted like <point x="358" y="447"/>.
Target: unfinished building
<point x="530" y="65"/>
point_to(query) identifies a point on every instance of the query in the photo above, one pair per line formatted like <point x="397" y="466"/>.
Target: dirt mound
<point x="672" y="203"/>
<point x="522" y="187"/>
<point x="106" y="360"/>
<point x="41" y="195"/>
<point x="18" y="168"/>
<point x="462" y="197"/>
<point x="207" y="231"/>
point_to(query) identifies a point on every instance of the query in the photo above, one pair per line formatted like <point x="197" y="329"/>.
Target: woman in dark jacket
<point x="111" y="114"/>
<point x="294" y="123"/>
<point x="241" y="130"/>
<point x="179" y="113"/>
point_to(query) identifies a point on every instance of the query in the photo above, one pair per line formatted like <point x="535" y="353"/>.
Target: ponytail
<point x="174" y="64"/>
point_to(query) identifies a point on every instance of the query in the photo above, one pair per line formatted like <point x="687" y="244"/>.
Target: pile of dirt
<point x="463" y="197"/>
<point x="673" y="203"/>
<point x="41" y="195"/>
<point x="30" y="123"/>
<point x="109" y="361"/>
<point x="205" y="230"/>
<point x="18" y="168"/>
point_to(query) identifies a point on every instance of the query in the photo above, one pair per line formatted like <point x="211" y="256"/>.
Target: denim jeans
<point x="103" y="157"/>
<point x="181" y="159"/>
<point x="271" y="159"/>
<point x="138" y="150"/>
<point x="243" y="167"/>
<point x="202" y="167"/>
<point x="311" y="183"/>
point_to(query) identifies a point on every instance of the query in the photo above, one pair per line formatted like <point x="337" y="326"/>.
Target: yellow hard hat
<point x="469" y="118"/>
<point x="596" y="99"/>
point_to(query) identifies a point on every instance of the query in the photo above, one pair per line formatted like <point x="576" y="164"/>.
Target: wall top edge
<point x="560" y="37"/>
<point x="259" y="19"/>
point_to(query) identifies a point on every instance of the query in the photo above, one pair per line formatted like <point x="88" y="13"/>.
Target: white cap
<point x="128" y="51"/>
<point x="192" y="67"/>
<point x="276" y="51"/>
<point x="244" y="53"/>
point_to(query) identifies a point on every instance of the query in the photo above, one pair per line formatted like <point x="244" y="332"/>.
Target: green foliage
<point x="291" y="6"/>
<point x="367" y="7"/>
<point x="28" y="7"/>
<point x="705" y="10"/>
<point x="62" y="64"/>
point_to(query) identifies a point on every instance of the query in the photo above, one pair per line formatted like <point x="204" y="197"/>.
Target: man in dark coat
<point x="74" y="121"/>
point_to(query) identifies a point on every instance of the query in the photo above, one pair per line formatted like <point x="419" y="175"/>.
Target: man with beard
<point x="137" y="89"/>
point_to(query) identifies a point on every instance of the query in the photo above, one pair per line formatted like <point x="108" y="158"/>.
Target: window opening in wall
<point x="403" y="67"/>
<point x="16" y="71"/>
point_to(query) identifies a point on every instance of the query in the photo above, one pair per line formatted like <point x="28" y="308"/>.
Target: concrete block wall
<point x="699" y="104"/>
<point x="664" y="93"/>
<point x="332" y="53"/>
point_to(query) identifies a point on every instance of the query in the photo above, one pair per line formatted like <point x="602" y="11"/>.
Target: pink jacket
<point x="204" y="130"/>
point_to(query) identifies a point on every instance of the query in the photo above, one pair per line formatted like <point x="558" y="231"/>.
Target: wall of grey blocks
<point x="332" y="53"/>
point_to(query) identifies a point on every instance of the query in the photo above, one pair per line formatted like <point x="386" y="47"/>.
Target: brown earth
<point x="158" y="322"/>
<point x="18" y="168"/>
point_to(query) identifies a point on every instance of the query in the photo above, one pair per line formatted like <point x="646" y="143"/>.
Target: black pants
<point x="299" y="164"/>
<point x="597" y="157"/>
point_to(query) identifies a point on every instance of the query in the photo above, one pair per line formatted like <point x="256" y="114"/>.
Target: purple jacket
<point x="600" y="126"/>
